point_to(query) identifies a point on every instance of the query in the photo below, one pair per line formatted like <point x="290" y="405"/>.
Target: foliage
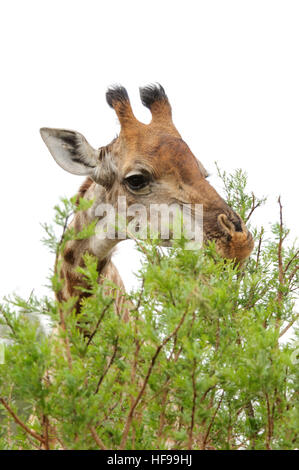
<point x="200" y="365"/>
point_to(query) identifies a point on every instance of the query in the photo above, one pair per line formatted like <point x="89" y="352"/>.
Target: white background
<point x="230" y="69"/>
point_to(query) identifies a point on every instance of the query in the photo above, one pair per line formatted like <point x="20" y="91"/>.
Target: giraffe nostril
<point x="238" y="226"/>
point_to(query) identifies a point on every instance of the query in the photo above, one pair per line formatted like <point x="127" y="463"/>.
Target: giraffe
<point x="146" y="163"/>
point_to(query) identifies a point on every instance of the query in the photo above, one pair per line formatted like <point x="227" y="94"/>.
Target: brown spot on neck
<point x="83" y="189"/>
<point x="69" y="256"/>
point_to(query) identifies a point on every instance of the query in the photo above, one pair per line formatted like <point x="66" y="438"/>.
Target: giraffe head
<point x="150" y="163"/>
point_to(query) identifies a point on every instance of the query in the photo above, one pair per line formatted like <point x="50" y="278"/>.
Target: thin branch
<point x="211" y="422"/>
<point x="161" y="390"/>
<point x="61" y="443"/>
<point x="20" y="423"/>
<point x="108" y="367"/>
<point x="269" y="433"/>
<point x="162" y="415"/>
<point x="206" y="392"/>
<point x="290" y="261"/>
<point x="98" y="323"/>
<point x="250" y="414"/>
<point x="253" y="207"/>
<point x="108" y="413"/>
<point x="61" y="240"/>
<point x="289" y="325"/>
<point x="46" y="432"/>
<point x="140" y="296"/>
<point x="97" y="439"/>
<point x="36" y="446"/>
<point x="8" y="321"/>
<point x="293" y="272"/>
<point x="193" y="406"/>
<point x="66" y="339"/>
<point x="259" y="247"/>
<point x="259" y="295"/>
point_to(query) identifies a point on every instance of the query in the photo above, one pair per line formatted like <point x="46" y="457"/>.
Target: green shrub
<point x="202" y="364"/>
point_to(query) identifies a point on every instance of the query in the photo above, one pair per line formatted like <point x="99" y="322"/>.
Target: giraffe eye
<point x="137" y="182"/>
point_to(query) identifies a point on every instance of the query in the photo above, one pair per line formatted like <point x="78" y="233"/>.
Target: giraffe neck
<point x="73" y="255"/>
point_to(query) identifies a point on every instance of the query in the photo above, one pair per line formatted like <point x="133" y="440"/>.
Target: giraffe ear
<point x="71" y="151"/>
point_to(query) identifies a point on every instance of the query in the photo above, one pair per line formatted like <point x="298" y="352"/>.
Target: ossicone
<point x="154" y="98"/>
<point x="117" y="97"/>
